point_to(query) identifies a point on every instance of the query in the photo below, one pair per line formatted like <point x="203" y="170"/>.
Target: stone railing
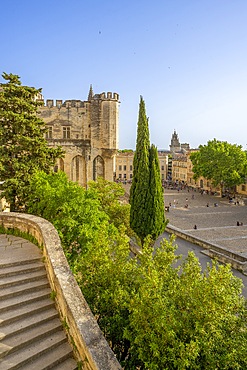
<point x="222" y="254"/>
<point x="90" y="346"/>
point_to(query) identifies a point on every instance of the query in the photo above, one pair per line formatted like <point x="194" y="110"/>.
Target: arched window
<point x="78" y="170"/>
<point x="98" y="168"/>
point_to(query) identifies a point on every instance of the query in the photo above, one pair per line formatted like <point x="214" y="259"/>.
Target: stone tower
<point x="87" y="131"/>
<point x="175" y="144"/>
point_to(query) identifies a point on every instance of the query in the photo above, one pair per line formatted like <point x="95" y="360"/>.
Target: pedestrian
<point x="195" y="227"/>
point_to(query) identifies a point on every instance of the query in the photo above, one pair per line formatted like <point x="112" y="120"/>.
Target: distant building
<point x="124" y="164"/>
<point x="176" y="147"/>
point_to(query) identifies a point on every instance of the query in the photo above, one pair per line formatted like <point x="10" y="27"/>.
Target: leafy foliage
<point x="23" y="148"/>
<point x="140" y="183"/>
<point x="154" y="312"/>
<point x="110" y="195"/>
<point x="183" y="318"/>
<point x="156" y="222"/>
<point x="223" y="163"/>
<point x="74" y="211"/>
<point x="146" y="198"/>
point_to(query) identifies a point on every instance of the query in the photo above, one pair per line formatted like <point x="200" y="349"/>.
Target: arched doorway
<point x="98" y="168"/>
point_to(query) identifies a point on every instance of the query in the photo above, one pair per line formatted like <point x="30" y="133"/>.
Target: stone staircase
<point x="31" y="333"/>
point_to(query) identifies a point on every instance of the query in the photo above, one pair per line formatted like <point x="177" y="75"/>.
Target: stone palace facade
<point x="88" y="133"/>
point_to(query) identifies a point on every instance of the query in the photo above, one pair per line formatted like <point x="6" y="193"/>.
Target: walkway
<point x="217" y="225"/>
<point x="31" y="334"/>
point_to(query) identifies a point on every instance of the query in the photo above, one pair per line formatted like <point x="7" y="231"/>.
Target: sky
<point x="187" y="58"/>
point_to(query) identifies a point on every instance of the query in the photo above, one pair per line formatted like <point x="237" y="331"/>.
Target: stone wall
<point x="88" y="133"/>
<point x="89" y="344"/>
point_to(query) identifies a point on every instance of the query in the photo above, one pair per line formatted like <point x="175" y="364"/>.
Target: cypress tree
<point x="140" y="182"/>
<point x="155" y="223"/>
<point x="146" y="194"/>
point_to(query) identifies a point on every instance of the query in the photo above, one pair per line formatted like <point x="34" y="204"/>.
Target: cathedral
<point x="88" y="133"/>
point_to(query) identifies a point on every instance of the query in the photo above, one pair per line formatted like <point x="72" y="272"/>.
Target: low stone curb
<point x="222" y="254"/>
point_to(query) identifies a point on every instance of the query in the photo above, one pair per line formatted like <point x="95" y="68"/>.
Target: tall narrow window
<point x="48" y="134"/>
<point x="66" y="132"/>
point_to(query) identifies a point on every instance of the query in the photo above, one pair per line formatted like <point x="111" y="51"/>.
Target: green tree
<point x="143" y="217"/>
<point x="23" y="148"/>
<point x="154" y="313"/>
<point x="140" y="183"/>
<point x="95" y="243"/>
<point x="75" y="212"/>
<point x="156" y="222"/>
<point x="111" y="197"/>
<point x="183" y="318"/>
<point x="223" y="163"/>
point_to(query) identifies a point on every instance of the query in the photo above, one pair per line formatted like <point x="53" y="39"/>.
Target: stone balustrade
<point x="90" y="346"/>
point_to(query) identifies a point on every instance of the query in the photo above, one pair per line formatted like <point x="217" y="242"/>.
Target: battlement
<point x="50" y="103"/>
<point x="106" y="96"/>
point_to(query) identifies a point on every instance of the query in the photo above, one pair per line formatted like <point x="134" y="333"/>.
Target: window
<point x="243" y="188"/>
<point x="48" y="134"/>
<point x="131" y="176"/>
<point x="131" y="167"/>
<point x="120" y="168"/>
<point x="125" y="176"/>
<point x="124" y="167"/>
<point x="162" y="168"/>
<point x="66" y="132"/>
<point x="120" y="175"/>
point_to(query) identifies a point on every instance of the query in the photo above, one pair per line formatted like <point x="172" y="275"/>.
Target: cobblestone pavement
<point x="214" y="224"/>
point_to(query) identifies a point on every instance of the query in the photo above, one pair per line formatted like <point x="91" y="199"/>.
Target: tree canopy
<point x="223" y="163"/>
<point x="23" y="147"/>
<point x="146" y="196"/>
<point x="155" y="313"/>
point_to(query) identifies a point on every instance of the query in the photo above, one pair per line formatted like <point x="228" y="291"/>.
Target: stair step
<point x="39" y="293"/>
<point x="11" y="281"/>
<point x="31" y="320"/>
<point x="25" y="311"/>
<point x="28" y="354"/>
<point x="21" y="268"/>
<point x="3" y="350"/>
<point x="61" y="358"/>
<point x="21" y="289"/>
<point x="22" y="260"/>
<point x="33" y="334"/>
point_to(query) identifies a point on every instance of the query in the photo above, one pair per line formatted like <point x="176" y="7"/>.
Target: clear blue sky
<point x="187" y="58"/>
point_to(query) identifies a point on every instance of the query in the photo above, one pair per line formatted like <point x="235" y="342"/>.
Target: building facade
<point x="88" y="133"/>
<point x="124" y="165"/>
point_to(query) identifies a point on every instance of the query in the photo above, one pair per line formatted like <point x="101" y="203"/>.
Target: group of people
<point x="239" y="223"/>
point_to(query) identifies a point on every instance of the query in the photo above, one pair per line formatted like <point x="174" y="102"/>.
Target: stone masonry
<point x="88" y="133"/>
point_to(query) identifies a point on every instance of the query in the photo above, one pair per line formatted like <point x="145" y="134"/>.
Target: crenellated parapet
<point x="106" y="96"/>
<point x="50" y="103"/>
